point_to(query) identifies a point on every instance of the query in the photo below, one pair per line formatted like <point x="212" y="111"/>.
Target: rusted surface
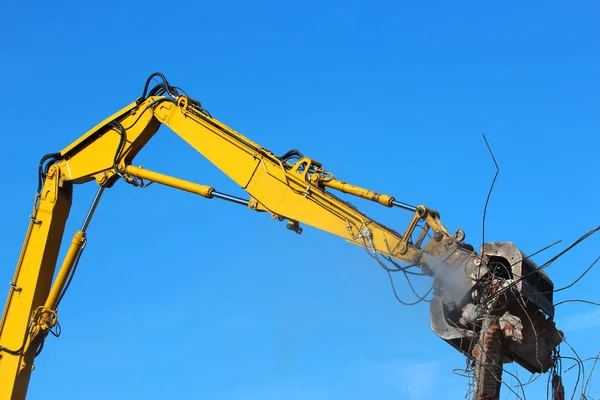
<point x="467" y="284"/>
<point x="488" y="360"/>
<point x="533" y="283"/>
<point x="558" y="390"/>
<point x="526" y="296"/>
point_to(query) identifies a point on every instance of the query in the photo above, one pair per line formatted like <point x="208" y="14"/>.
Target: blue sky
<point x="181" y="297"/>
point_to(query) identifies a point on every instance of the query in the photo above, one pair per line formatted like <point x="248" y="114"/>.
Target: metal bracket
<point x="15" y="287"/>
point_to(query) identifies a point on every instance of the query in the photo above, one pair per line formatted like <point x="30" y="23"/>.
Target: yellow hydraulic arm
<point x="290" y="187"/>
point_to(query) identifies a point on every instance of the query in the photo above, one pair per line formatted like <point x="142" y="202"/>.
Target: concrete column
<point x="488" y="360"/>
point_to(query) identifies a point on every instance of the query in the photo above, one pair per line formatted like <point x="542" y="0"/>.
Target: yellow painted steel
<point x="383" y="199"/>
<point x="139" y="172"/>
<point x="298" y="192"/>
<point x="31" y="285"/>
<point x="63" y="273"/>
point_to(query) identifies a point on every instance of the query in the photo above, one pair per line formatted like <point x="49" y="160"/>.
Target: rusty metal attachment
<point x="498" y="299"/>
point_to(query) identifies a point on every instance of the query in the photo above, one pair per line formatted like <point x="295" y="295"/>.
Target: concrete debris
<point x="512" y="327"/>
<point x="470" y="314"/>
<point x="501" y="284"/>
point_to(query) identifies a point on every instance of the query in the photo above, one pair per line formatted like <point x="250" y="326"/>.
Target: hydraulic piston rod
<point x="72" y="257"/>
<point x="228" y="197"/>
<point x="404" y="206"/>
<point x="383" y="199"/>
<point x="203" y="190"/>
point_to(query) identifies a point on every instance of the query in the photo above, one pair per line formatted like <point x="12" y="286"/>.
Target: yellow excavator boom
<point x="289" y="187"/>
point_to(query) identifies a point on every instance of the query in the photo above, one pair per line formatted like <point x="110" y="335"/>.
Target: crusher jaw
<point x="500" y="281"/>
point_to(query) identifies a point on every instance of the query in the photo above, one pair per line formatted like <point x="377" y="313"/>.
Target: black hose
<point x="166" y="83"/>
<point x="50" y="158"/>
<point x="291" y="153"/>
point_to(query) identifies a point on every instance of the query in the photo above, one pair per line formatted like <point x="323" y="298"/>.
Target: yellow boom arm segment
<point x="296" y="192"/>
